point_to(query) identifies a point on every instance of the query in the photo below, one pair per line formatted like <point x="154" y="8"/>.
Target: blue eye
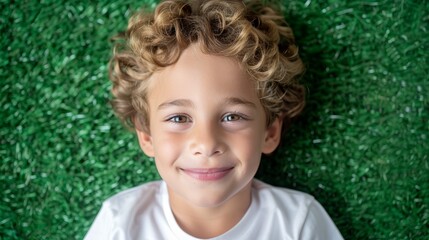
<point x="179" y="119"/>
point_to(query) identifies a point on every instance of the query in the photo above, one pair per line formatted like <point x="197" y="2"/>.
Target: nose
<point x="207" y="140"/>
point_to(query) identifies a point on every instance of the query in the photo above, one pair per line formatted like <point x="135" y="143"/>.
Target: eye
<point x="232" y="117"/>
<point x="179" y="119"/>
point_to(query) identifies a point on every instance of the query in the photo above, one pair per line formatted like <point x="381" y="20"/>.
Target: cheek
<point x="255" y="137"/>
<point x="167" y="148"/>
<point x="248" y="144"/>
<point x="167" y="151"/>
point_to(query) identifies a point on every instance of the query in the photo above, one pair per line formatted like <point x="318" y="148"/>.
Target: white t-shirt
<point x="277" y="213"/>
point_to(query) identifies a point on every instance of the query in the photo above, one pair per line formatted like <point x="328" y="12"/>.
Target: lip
<point x="207" y="174"/>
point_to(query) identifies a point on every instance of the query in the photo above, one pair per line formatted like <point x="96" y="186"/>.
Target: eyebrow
<point x="177" y="103"/>
<point x="239" y="101"/>
<point x="188" y="103"/>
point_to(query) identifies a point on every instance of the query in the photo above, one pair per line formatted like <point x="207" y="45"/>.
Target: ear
<point x="272" y="136"/>
<point x="145" y="141"/>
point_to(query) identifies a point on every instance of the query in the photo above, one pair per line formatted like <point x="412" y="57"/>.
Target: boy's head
<point x="207" y="85"/>
<point x="254" y="36"/>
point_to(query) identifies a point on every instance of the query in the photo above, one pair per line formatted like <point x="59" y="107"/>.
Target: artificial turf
<point x="361" y="147"/>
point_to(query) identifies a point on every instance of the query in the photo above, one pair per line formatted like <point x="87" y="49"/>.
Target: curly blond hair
<point x="253" y="34"/>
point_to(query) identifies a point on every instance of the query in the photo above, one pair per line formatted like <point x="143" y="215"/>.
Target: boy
<point x="207" y="86"/>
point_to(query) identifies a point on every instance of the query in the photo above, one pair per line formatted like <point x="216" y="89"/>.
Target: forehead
<point x="196" y="71"/>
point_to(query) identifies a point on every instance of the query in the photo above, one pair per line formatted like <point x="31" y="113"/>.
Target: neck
<point x="209" y="222"/>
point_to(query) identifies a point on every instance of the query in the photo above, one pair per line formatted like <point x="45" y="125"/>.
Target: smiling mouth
<point x="207" y="174"/>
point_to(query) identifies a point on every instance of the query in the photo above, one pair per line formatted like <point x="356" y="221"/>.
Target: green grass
<point x="361" y="147"/>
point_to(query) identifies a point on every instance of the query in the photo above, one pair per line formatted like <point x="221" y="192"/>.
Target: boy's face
<point x="207" y="128"/>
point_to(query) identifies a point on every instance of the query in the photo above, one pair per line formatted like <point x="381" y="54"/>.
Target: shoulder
<point x="121" y="214"/>
<point x="144" y="193"/>
<point x="302" y="215"/>
<point x="282" y="197"/>
<point x="144" y="199"/>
